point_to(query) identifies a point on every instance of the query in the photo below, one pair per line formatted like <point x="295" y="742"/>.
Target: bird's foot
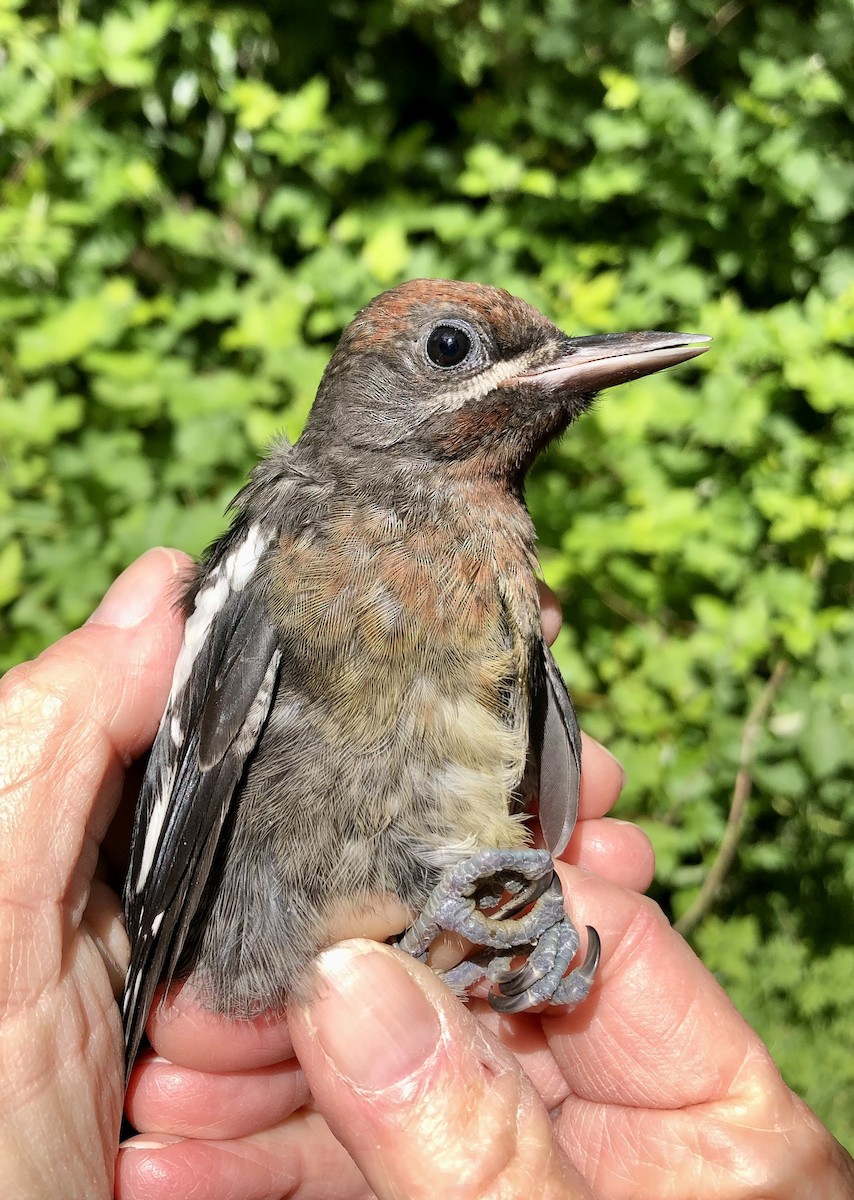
<point x="511" y="903"/>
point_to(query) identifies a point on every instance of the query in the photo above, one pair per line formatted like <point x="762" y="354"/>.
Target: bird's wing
<point x="556" y="746"/>
<point x="221" y="694"/>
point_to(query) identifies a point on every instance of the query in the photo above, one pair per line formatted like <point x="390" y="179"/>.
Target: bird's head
<point x="446" y="372"/>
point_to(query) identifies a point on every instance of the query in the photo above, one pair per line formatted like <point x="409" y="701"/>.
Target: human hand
<point x="71" y="723"/>
<point x="655" y="1086"/>
<point x="70" y="730"/>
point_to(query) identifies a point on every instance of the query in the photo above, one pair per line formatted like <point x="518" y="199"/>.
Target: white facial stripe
<point x="482" y="384"/>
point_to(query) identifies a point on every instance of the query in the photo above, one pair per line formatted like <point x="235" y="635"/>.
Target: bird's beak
<point x="592" y="363"/>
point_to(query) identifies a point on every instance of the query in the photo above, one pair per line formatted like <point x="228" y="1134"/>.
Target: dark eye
<point x="448" y="345"/>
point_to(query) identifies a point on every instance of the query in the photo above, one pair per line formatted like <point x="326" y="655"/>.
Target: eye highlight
<point x="448" y="346"/>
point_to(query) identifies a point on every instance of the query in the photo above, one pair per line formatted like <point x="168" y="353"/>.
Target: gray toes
<point x="577" y="984"/>
<point x="520" y="981"/>
<point x="542" y="979"/>
<point x="530" y="923"/>
<point x="541" y="960"/>
<point x="528" y="895"/>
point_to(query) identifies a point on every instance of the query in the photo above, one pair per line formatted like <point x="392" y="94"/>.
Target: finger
<point x="602" y="779"/>
<point x="657" y="1030"/>
<point x="71" y="721"/>
<point x="104" y="923"/>
<point x="615" y="850"/>
<point x="525" y="1038"/>
<point x="181" y="1030"/>
<point x="550" y="614"/>
<point x="298" y="1158"/>
<point x="658" y="1062"/>
<point x="163" y="1097"/>
<point x="74" y="719"/>
<point x="426" y="1101"/>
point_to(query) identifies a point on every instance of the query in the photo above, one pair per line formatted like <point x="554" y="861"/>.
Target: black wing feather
<point x="243" y="669"/>
<point x="556" y="742"/>
<point x="220" y="712"/>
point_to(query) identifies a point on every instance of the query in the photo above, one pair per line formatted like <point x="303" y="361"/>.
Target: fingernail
<point x="371" y="1019"/>
<point x="150" y="1143"/>
<point x="136" y="591"/>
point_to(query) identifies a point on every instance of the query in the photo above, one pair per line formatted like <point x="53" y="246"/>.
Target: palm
<point x="60" y="1041"/>
<point x="59" y="1007"/>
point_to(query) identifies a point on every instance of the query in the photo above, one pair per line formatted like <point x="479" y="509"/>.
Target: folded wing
<point x="223" y="686"/>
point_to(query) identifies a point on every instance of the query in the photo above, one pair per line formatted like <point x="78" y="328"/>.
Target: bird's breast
<point x="411" y="646"/>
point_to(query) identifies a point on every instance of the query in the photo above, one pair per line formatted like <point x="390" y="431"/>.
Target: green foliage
<point x="196" y="197"/>
<point x="796" y="996"/>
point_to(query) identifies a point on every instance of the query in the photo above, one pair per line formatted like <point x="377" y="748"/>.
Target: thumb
<point x="424" y="1098"/>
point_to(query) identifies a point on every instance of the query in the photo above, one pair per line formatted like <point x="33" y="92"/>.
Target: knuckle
<point x="41" y="712"/>
<point x="509" y="1142"/>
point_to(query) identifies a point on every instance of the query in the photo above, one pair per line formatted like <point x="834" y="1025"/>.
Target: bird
<point x="364" y="714"/>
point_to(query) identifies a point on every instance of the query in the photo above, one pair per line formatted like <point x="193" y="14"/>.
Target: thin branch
<point x="753" y="727"/>
<point x="624" y="608"/>
<point x="681" y="53"/>
<point x="69" y="113"/>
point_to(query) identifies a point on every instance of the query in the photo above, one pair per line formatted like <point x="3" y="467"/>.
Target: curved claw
<point x="508" y="1005"/>
<point x="547" y="882"/>
<point x="518" y="981"/>
<point x="540" y="962"/>
<point x="554" y="988"/>
<point x="594" y="952"/>
<point x="574" y="988"/>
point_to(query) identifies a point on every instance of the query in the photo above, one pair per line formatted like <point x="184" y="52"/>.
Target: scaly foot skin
<point x="542" y="978"/>
<point x="543" y="935"/>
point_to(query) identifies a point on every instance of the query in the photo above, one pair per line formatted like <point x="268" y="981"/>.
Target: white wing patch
<point x="229" y="576"/>
<point x="241" y="563"/>
<point x="155" y="826"/>
<point x="209" y="601"/>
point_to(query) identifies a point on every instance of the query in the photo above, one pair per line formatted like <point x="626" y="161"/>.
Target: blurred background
<point x="196" y="197"/>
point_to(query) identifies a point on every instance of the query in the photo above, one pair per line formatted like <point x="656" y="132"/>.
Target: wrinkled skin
<point x="655" y="1086"/>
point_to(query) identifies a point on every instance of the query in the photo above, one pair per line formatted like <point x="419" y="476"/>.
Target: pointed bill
<point x="592" y="363"/>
